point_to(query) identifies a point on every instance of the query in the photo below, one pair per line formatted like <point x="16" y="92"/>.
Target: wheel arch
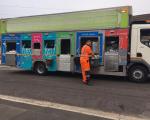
<point x="141" y="66"/>
<point x="138" y="63"/>
<point x="37" y="62"/>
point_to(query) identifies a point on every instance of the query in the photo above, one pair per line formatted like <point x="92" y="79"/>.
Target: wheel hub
<point x="40" y="69"/>
<point x="137" y="74"/>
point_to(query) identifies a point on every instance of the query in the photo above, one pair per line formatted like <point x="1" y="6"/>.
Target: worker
<point x="86" y="53"/>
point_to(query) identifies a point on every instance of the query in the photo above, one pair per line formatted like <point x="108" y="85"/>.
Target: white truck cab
<point x="139" y="63"/>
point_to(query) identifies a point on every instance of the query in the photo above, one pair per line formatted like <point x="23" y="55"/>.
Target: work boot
<point x="90" y="83"/>
<point x="85" y="82"/>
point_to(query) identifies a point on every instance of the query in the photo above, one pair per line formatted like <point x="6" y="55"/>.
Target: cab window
<point x="145" y="37"/>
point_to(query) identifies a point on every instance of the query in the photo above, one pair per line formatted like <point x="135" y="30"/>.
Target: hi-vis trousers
<point x="85" y="68"/>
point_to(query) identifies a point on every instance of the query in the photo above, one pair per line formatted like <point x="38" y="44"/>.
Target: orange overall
<point x="86" y="51"/>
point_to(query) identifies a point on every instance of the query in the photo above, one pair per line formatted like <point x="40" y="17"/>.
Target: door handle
<point x="139" y="54"/>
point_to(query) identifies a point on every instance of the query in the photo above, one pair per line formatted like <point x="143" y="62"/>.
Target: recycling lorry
<point x="53" y="42"/>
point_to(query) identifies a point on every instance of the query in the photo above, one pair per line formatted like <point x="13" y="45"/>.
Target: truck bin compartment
<point x="26" y="52"/>
<point x="49" y="50"/>
<point x="95" y="61"/>
<point x="11" y="49"/>
<point x="116" y="44"/>
<point x="65" y="51"/>
<point x="97" y="39"/>
<point x="11" y="59"/>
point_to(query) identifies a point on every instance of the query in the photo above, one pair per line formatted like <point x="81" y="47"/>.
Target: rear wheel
<point x="138" y="74"/>
<point x="40" y="68"/>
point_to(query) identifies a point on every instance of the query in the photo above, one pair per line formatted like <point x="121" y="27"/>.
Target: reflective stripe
<point x="83" y="54"/>
<point x="84" y="50"/>
<point x="23" y="54"/>
<point x="32" y="54"/>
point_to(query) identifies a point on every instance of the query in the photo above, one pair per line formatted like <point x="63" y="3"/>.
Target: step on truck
<point x="53" y="42"/>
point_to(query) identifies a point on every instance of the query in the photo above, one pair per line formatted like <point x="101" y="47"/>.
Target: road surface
<point x="114" y="95"/>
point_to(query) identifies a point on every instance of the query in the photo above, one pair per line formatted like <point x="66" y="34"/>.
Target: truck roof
<point x="141" y="17"/>
<point x="102" y="9"/>
<point x="108" y="18"/>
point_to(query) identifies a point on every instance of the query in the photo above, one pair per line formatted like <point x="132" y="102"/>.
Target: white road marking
<point x="2" y="66"/>
<point x="80" y="110"/>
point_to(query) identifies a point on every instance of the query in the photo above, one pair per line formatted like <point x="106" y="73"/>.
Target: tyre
<point x="40" y="68"/>
<point x="138" y="74"/>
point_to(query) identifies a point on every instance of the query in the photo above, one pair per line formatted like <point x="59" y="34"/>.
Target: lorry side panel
<point x="37" y="46"/>
<point x="26" y="52"/>
<point x="65" y="51"/>
<point x="49" y="50"/>
<point x="8" y="51"/>
<point x="80" y="36"/>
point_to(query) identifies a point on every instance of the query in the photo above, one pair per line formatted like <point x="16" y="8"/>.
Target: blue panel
<point x="9" y="37"/>
<point x="83" y="34"/>
<point x="101" y="48"/>
<point x="53" y="65"/>
<point x="26" y="53"/>
<point x="18" y="51"/>
<point x="26" y="59"/>
<point x="3" y="52"/>
<point x="50" y="53"/>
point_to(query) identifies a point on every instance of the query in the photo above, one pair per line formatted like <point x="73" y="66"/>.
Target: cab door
<point x="143" y="46"/>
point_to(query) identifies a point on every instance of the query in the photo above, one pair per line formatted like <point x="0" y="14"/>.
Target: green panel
<point x="83" y="20"/>
<point x="124" y="20"/>
<point x="3" y="26"/>
<point x="65" y="35"/>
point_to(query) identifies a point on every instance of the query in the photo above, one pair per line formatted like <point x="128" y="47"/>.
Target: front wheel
<point x="40" y="69"/>
<point x="138" y="74"/>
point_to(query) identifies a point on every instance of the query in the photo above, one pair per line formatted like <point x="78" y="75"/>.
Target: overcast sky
<point x="17" y="8"/>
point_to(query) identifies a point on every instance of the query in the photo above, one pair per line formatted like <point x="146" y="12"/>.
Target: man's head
<point x="89" y="43"/>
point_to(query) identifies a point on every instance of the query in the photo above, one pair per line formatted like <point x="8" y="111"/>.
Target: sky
<point x="18" y="8"/>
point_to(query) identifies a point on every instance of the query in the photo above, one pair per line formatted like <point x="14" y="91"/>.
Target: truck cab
<point x="139" y="63"/>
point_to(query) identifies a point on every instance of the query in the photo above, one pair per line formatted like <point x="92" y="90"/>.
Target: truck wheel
<point x="40" y="69"/>
<point x="138" y="74"/>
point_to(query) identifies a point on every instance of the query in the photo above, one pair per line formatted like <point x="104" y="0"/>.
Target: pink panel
<point x="123" y="44"/>
<point x="37" y="38"/>
<point x="111" y="32"/>
<point x="123" y="37"/>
